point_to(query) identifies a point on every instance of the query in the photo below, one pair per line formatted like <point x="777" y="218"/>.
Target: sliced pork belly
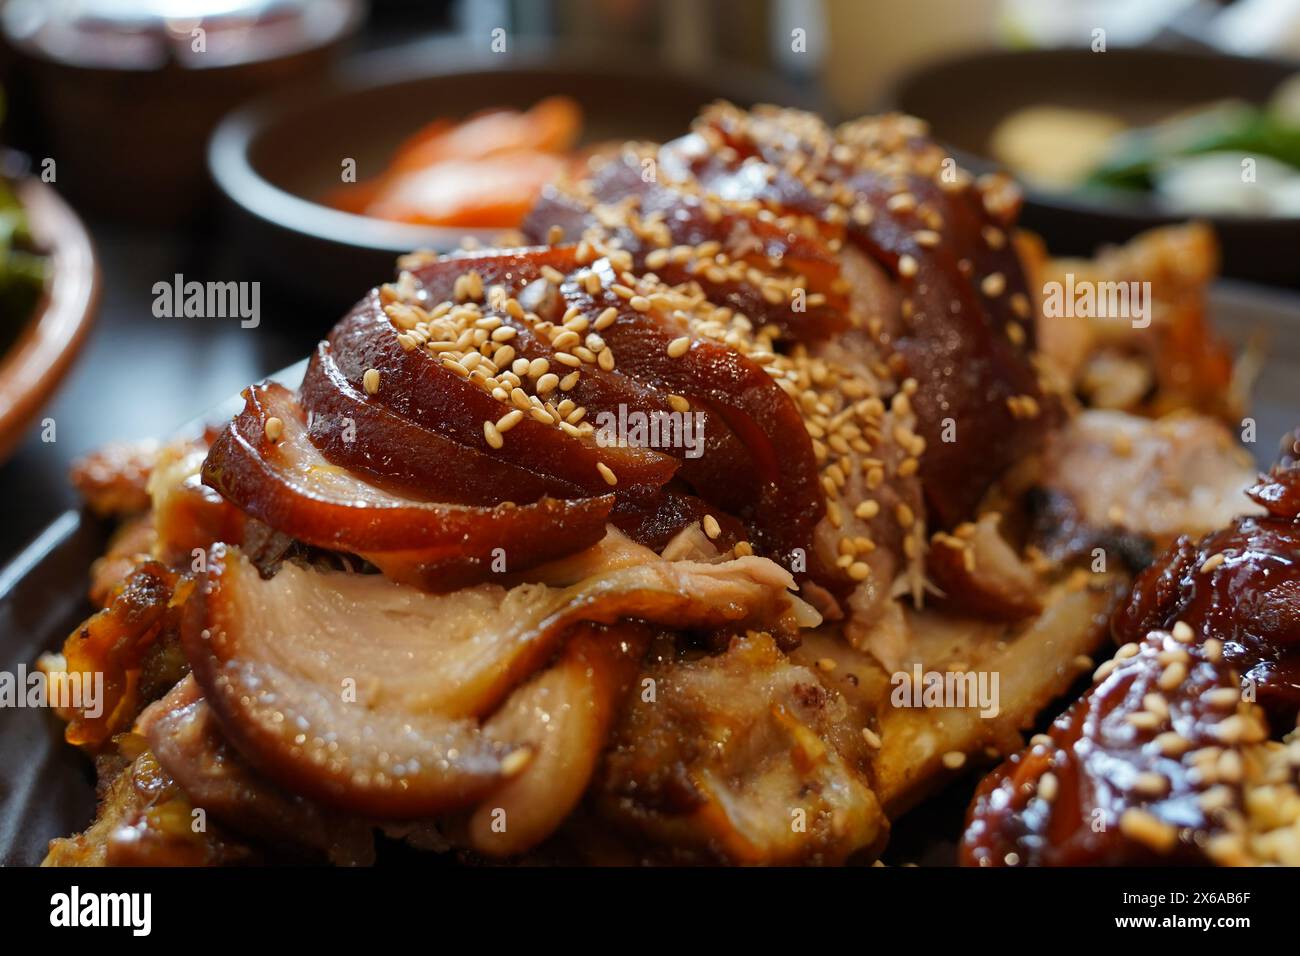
<point x="265" y="463"/>
<point x="563" y="716"/>
<point x="388" y="725"/>
<point x="184" y="737"/>
<point x="559" y="310"/>
<point x="754" y="463"/>
<point x="405" y="456"/>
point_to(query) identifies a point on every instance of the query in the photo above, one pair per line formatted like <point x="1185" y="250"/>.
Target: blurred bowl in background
<point x="274" y="159"/>
<point x="125" y="98"/>
<point x="32" y="367"/>
<point x="964" y="100"/>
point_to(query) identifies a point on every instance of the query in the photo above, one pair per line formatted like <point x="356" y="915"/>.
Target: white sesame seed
<point x="1148" y="829"/>
<point x="515" y="761"/>
<point x="1212" y="562"/>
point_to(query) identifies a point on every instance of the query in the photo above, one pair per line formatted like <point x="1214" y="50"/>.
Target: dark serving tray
<point x="47" y="787"/>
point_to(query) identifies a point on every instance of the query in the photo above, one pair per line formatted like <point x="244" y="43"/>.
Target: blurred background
<point x="291" y="148"/>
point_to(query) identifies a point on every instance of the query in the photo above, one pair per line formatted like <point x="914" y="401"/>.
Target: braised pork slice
<point x="1110" y="472"/>
<point x="563" y="716"/>
<point x="743" y="757"/>
<point x="1034" y="661"/>
<point x="185" y="739"/>
<point x="978" y="572"/>
<point x="366" y="694"/>
<point x="265" y="463"/>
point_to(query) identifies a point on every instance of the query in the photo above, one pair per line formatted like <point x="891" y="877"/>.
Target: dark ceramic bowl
<point x="964" y="99"/>
<point x="276" y="158"/>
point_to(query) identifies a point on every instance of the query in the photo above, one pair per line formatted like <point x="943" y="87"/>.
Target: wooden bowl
<point x="33" y="366"/>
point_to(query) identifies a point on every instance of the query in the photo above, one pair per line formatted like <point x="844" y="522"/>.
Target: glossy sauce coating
<point x="1148" y="765"/>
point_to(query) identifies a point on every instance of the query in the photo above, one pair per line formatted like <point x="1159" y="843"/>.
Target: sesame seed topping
<point x="866" y="510"/>
<point x="370" y="381"/>
<point x="1172" y="744"/>
<point x="1148" y="829"/>
<point x="1151" y="784"/>
<point x="1172" y="676"/>
<point x="274" y="428"/>
<point x="607" y="473"/>
<point x="679" y="346"/>
<point x="1048" y="786"/>
<point x="993" y="285"/>
<point x="514" y="762"/>
<point x="1223" y="697"/>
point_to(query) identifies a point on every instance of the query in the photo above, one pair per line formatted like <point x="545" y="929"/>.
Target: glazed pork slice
<point x="963" y="330"/>
<point x="266" y="464"/>
<point x="431" y="386"/>
<point x="1184" y="749"/>
<point x="644" y="346"/>
<point x="389" y="725"/>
